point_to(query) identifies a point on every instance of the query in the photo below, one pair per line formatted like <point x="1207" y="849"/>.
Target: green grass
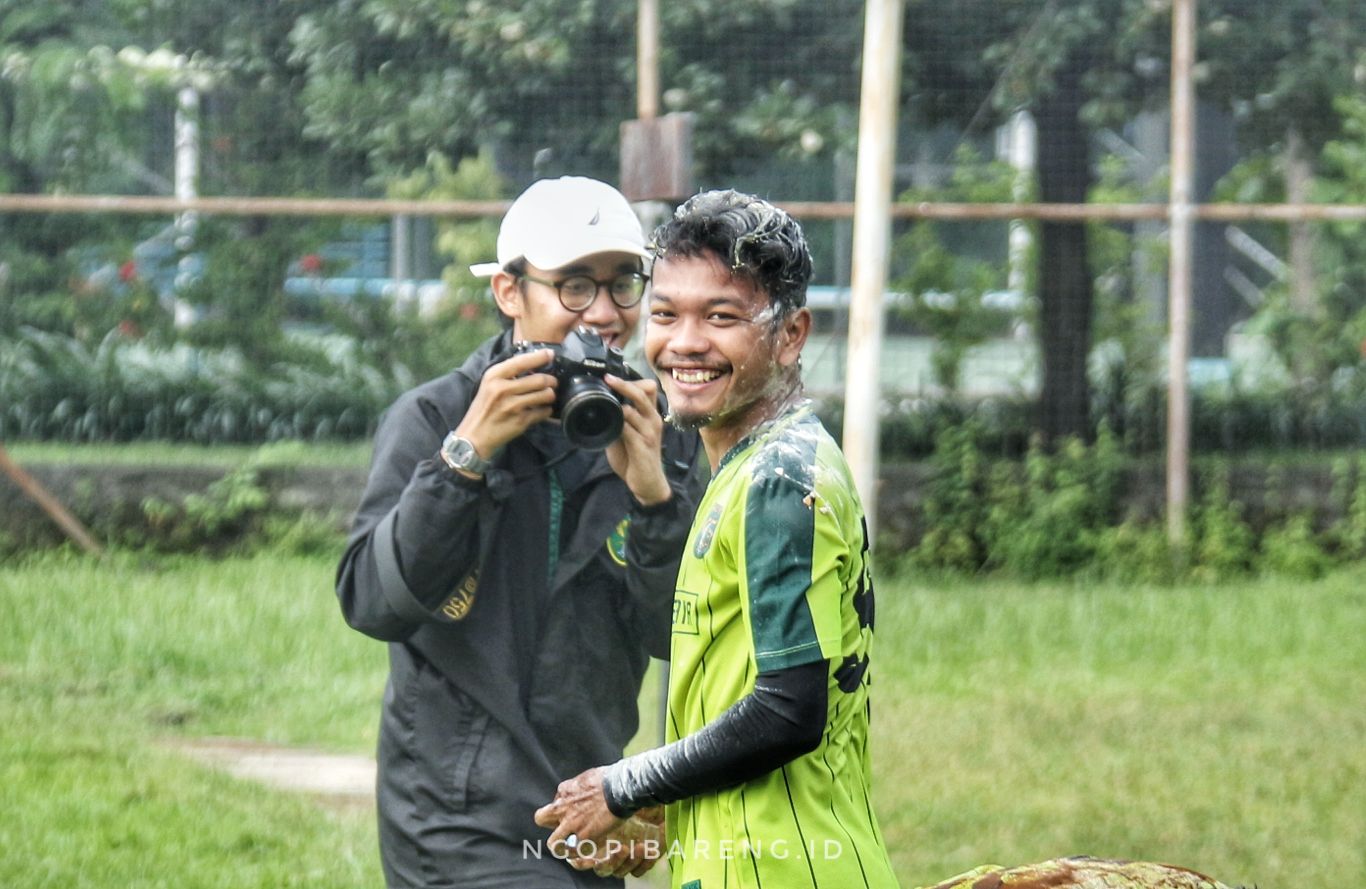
<point x="1219" y="727"/>
<point x="102" y="663"/>
<point x="1215" y="727"/>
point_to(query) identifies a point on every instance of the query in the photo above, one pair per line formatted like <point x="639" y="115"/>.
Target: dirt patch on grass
<point x="334" y="779"/>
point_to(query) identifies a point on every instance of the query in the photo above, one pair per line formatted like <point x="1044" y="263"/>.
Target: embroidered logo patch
<point x="702" y="544"/>
<point x="616" y="543"/>
<point x="458" y="606"/>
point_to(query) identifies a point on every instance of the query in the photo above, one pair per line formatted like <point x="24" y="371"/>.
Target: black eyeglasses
<point x="577" y="292"/>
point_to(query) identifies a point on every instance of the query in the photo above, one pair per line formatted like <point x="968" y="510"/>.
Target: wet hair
<point x="756" y="240"/>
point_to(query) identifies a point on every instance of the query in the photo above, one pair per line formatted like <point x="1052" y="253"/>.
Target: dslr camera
<point x="587" y="408"/>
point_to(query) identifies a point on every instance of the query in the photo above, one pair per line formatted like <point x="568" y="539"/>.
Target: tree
<point x="345" y="96"/>
<point x="1066" y="294"/>
<point x="396" y="79"/>
<point x="945" y="291"/>
<point x="253" y="143"/>
<point x="1085" y="64"/>
<point x="1080" y="67"/>
<point x="1291" y="75"/>
<point x="68" y="120"/>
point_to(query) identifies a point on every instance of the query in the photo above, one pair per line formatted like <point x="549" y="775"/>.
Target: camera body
<point x="588" y="410"/>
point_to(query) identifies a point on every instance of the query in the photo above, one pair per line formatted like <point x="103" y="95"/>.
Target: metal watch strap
<point x="459" y="454"/>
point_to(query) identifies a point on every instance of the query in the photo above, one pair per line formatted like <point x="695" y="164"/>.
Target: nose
<point x="687" y="337"/>
<point x="601" y="312"/>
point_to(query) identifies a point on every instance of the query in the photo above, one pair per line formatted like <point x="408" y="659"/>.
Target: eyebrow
<point x="711" y="303"/>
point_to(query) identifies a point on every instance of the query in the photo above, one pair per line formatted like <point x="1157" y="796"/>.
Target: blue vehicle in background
<point x="362" y="264"/>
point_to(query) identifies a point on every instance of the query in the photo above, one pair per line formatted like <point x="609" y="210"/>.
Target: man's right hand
<point x="632" y="849"/>
<point x="511" y="399"/>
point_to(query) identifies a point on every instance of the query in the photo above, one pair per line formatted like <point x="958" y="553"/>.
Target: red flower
<point x="128" y="271"/>
<point x="310" y="263"/>
<point x="129" y="329"/>
<point x="469" y="311"/>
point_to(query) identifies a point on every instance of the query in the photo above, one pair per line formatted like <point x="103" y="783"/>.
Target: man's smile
<point x="694" y="375"/>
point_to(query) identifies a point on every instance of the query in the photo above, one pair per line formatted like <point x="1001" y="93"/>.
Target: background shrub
<point x="54" y="387"/>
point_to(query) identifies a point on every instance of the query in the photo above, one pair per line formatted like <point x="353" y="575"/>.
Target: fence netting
<point x="255" y="326"/>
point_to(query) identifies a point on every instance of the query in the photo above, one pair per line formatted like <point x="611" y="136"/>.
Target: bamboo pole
<point x="652" y="213"/>
<point x="34" y="490"/>
<point x="1179" y="268"/>
<point x="1280" y="212"/>
<point x="458" y="209"/>
<point x="878" y="100"/>
<point x="245" y="206"/>
<point x="647" y="60"/>
<point x="1088" y="212"/>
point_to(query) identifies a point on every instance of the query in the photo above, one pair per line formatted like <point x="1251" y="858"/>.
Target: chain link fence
<point x="249" y="221"/>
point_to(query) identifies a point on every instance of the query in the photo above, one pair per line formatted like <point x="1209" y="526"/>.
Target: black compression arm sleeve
<point x="780" y="720"/>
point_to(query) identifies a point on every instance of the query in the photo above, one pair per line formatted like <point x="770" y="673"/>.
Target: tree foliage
<point x="353" y="96"/>
<point x="946" y="291"/>
<point x="395" y="79"/>
<point x="1079" y="66"/>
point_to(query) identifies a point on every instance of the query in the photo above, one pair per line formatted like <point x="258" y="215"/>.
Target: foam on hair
<point x="757" y="241"/>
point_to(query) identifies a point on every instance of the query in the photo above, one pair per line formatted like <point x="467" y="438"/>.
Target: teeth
<point x="695" y="375"/>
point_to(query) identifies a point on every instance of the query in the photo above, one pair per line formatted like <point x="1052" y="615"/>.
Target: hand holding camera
<point x="600" y="401"/>
<point x="513" y="396"/>
<point x="589" y="411"/>
<point x="635" y="456"/>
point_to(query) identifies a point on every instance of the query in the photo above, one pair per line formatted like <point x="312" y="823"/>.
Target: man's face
<point x="712" y="341"/>
<point x="538" y="315"/>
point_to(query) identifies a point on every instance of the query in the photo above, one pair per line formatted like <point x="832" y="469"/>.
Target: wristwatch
<point x="461" y="456"/>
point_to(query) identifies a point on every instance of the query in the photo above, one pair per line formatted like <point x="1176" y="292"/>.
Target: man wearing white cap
<point x="521" y="581"/>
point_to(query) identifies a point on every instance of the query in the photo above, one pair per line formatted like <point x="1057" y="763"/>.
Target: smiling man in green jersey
<point x="765" y="779"/>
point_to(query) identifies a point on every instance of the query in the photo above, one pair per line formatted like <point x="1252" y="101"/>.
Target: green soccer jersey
<point x="776" y="575"/>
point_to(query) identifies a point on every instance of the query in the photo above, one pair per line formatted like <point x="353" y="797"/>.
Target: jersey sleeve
<point x="795" y="557"/>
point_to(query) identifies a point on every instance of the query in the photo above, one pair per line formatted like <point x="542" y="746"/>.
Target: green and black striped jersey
<point x="776" y="575"/>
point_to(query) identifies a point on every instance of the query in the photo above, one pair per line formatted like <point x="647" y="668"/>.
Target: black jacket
<point x="520" y="624"/>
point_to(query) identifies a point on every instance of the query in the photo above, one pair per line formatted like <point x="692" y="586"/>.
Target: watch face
<point x="461" y="455"/>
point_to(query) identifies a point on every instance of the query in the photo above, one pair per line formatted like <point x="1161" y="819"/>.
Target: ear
<point x="507" y="293"/>
<point x="792" y="336"/>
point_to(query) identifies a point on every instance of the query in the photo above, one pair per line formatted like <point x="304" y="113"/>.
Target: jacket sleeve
<point x="416" y="531"/>
<point x="654" y="546"/>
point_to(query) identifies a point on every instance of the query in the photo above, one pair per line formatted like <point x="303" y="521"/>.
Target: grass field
<point x="1220" y="727"/>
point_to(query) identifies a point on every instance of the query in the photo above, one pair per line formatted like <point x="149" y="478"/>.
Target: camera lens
<point x="590" y="414"/>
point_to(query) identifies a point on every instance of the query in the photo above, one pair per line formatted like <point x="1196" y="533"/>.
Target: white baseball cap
<point x="556" y="221"/>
